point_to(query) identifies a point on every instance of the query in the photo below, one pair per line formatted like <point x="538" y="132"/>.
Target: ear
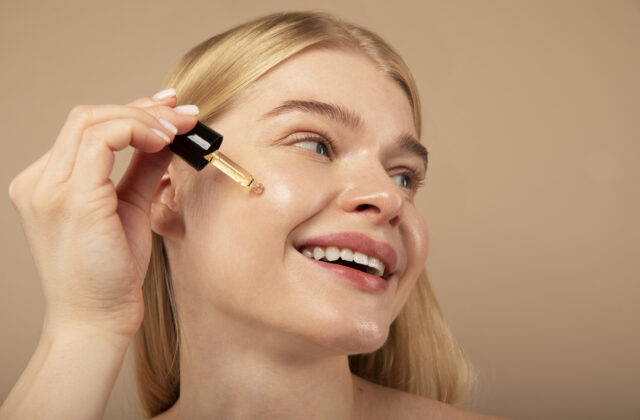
<point x="166" y="218"/>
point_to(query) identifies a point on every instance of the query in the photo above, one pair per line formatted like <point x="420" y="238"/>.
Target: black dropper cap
<point x="194" y="145"/>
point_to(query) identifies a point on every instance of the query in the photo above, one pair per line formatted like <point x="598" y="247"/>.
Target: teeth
<point x="346" y="254"/>
<point x="376" y="266"/>
<point x="361" y="258"/>
<point x="333" y="253"/>
<point x="373" y="265"/>
<point x="318" y="253"/>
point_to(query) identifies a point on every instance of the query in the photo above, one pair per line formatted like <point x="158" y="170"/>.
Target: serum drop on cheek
<point x="199" y="147"/>
<point x="257" y="189"/>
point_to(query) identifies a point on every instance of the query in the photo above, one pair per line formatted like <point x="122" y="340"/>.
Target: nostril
<point x="363" y="207"/>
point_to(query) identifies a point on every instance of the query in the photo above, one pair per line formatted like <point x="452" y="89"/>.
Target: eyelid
<point x="416" y="175"/>
<point x="311" y="136"/>
<point x="417" y="178"/>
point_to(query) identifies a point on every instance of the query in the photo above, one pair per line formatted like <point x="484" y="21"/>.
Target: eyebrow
<point x="344" y="116"/>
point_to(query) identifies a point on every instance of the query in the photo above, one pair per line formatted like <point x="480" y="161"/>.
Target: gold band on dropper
<point x="229" y="167"/>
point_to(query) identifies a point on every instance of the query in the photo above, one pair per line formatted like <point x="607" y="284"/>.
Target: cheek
<point x="416" y="241"/>
<point x="229" y="225"/>
<point x="293" y="190"/>
<point x="416" y="237"/>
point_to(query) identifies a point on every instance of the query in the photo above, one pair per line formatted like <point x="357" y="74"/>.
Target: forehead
<point x="344" y="77"/>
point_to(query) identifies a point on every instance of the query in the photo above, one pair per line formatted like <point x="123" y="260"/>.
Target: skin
<point x="280" y="337"/>
<point x="91" y="243"/>
<point x="283" y="334"/>
<point x="264" y="332"/>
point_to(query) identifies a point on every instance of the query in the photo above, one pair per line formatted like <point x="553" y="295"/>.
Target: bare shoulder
<point x="422" y="407"/>
<point x="389" y="403"/>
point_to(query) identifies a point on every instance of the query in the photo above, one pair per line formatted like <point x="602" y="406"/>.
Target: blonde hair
<point x="420" y="355"/>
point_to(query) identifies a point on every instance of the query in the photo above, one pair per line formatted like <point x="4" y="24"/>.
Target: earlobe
<point x="166" y="217"/>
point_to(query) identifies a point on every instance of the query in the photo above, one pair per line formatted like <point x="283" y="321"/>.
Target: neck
<point x="232" y="371"/>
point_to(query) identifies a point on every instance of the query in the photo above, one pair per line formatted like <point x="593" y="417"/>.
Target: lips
<point x="357" y="242"/>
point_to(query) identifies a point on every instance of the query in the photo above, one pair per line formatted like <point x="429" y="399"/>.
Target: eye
<point x="315" y="144"/>
<point x="411" y="179"/>
<point x="403" y="180"/>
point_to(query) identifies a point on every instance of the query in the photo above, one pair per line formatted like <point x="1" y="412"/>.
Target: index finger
<point x="166" y="97"/>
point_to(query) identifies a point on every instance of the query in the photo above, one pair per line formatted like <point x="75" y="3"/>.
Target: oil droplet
<point x="257" y="189"/>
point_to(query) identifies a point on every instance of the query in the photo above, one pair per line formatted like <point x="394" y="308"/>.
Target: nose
<point x="373" y="194"/>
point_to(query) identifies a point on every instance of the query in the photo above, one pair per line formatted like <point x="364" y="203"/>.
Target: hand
<point x="91" y="240"/>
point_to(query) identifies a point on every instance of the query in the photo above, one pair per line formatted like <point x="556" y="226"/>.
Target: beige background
<point x="532" y="121"/>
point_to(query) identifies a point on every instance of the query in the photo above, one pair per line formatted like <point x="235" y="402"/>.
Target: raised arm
<point x="91" y="243"/>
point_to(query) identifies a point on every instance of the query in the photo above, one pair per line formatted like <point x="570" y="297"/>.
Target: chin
<point x="355" y="335"/>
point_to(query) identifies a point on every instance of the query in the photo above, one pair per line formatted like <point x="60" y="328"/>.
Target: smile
<point x="346" y="257"/>
<point x="351" y="251"/>
<point x="357" y="274"/>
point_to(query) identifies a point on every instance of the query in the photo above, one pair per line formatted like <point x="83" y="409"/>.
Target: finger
<point x="96" y="152"/>
<point x="25" y="182"/>
<point x="139" y="182"/>
<point x="182" y="122"/>
<point x="166" y="97"/>
<point x="65" y="149"/>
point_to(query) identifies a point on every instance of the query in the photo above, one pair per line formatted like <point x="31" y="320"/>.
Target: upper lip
<point x="356" y="242"/>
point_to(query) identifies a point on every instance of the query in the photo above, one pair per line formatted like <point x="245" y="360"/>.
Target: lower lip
<point x="364" y="281"/>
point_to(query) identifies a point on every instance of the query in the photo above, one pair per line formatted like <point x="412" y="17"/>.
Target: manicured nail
<point x="164" y="94"/>
<point x="168" y="125"/>
<point x="161" y="135"/>
<point x="187" y="109"/>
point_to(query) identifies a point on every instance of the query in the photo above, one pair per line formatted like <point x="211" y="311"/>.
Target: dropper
<point x="199" y="147"/>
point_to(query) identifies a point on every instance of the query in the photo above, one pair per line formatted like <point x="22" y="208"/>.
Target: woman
<point x="249" y="308"/>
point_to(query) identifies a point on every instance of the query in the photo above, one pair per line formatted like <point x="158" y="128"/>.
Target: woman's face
<point x="332" y="179"/>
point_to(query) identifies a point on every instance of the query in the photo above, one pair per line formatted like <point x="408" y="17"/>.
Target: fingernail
<point x="187" y="110"/>
<point x="162" y="135"/>
<point x="164" y="94"/>
<point x="168" y="125"/>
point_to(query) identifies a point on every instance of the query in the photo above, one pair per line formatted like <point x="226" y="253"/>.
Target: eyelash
<point x="416" y="180"/>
